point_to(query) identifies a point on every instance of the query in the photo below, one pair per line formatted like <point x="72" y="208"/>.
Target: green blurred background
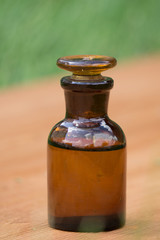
<point x="34" y="33"/>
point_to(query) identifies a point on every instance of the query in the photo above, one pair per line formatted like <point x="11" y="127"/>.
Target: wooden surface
<point x="26" y="116"/>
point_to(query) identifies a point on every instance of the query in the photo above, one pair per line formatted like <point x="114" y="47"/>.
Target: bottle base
<point x="88" y="223"/>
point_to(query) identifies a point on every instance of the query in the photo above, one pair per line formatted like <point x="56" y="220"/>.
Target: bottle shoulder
<point x="87" y="134"/>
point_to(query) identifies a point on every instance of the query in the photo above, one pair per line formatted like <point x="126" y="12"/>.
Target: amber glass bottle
<point x="86" y="152"/>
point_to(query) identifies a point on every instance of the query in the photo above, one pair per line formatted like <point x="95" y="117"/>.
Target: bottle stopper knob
<point x="86" y="64"/>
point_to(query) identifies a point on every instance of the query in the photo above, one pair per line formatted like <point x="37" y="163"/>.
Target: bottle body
<point x="86" y="159"/>
<point x="86" y="189"/>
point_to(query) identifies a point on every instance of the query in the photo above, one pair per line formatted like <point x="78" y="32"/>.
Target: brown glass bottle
<point x="86" y="153"/>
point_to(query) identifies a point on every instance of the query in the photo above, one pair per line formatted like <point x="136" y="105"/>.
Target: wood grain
<point x="28" y="113"/>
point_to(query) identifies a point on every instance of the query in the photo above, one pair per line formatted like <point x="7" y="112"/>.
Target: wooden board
<point x="28" y="113"/>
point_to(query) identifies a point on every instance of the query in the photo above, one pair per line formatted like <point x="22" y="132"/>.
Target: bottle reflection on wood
<point x="86" y="153"/>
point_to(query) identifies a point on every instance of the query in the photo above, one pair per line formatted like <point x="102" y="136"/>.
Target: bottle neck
<point x="86" y="104"/>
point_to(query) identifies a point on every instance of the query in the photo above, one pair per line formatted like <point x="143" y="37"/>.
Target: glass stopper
<point x="86" y="64"/>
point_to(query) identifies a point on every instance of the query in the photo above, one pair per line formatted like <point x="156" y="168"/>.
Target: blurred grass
<point x="33" y="34"/>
